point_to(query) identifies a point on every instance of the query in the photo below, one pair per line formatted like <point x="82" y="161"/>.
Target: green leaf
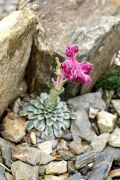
<point x="40" y="125"/>
<point x="60" y="119"/>
<point x="32" y="116"/>
<point x="66" y="124"/>
<point x="49" y="131"/>
<point x="49" y="122"/>
<point x="57" y="132"/>
<point x="66" y="116"/>
<point x="57" y="125"/>
<point x="43" y="96"/>
<point x="72" y="116"/>
<point x="40" y="117"/>
<point x="53" y="118"/>
<point x="29" y="125"/>
<point x="23" y="113"/>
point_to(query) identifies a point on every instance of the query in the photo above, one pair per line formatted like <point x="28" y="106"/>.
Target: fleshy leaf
<point x="40" y="125"/>
<point x="32" y="116"/>
<point x="66" y="124"/>
<point x="29" y="125"/>
<point x="57" y="133"/>
<point x="23" y="113"/>
<point x="49" y="131"/>
<point x="49" y="122"/>
<point x="40" y="117"/>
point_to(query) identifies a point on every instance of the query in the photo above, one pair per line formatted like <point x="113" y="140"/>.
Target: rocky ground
<point x="89" y="150"/>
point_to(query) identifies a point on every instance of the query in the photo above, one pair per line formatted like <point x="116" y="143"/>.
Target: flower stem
<point x="55" y="92"/>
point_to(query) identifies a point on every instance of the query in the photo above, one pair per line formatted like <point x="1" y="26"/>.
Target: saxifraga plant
<point x="47" y="112"/>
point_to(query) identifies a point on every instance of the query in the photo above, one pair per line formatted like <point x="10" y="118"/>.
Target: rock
<point x="114" y="139"/>
<point x="71" y="167"/>
<point x="27" y="154"/>
<point x="7" y="7"/>
<point x="92" y="113"/>
<point x="41" y="170"/>
<point x="108" y="94"/>
<point x="2" y="173"/>
<point x="9" y="176"/>
<point x="106" y="121"/>
<point x="56" y="167"/>
<point x="116" y="105"/>
<point x="33" y="138"/>
<point x="90" y="36"/>
<point x="76" y="147"/>
<point x="99" y="142"/>
<point x="6" y="148"/>
<point x="45" y="158"/>
<point x="46" y="147"/>
<point x="84" y="102"/>
<point x="15" y="43"/>
<point x="24" y="171"/>
<point x="51" y="177"/>
<point x="67" y="135"/>
<point x="114" y="173"/>
<point x="84" y="159"/>
<point x="14" y="127"/>
<point x="76" y="176"/>
<point x="101" y="167"/>
<point x="115" y="153"/>
<point x="65" y="155"/>
<point x="44" y="137"/>
<point x="62" y="145"/>
<point x="54" y="143"/>
<point x="81" y="127"/>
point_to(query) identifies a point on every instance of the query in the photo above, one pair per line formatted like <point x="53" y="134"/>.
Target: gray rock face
<point x="7" y="7"/>
<point x="84" y="159"/>
<point x="27" y="154"/>
<point x="6" y="148"/>
<point x="76" y="176"/>
<point x="81" y="127"/>
<point x="84" y="102"/>
<point x="116" y="105"/>
<point x="16" y="32"/>
<point x="2" y="173"/>
<point x="99" y="142"/>
<point x="114" y="139"/>
<point x="24" y="171"/>
<point x="101" y="167"/>
<point x="96" y="37"/>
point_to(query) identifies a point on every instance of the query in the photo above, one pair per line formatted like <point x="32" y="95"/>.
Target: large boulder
<point x="16" y="32"/>
<point x="74" y="21"/>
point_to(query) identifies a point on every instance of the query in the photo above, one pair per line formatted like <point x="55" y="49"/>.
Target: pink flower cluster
<point x="73" y="70"/>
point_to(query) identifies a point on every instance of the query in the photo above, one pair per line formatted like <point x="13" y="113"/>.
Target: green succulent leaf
<point x="57" y="132"/>
<point x="66" y="116"/>
<point x="29" y="125"/>
<point x="23" y="113"/>
<point x="49" y="122"/>
<point x="66" y="124"/>
<point x="49" y="131"/>
<point x="40" y="125"/>
<point x="40" y="117"/>
<point x="32" y="116"/>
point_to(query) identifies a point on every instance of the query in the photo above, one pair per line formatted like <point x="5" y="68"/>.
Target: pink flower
<point x="71" y="51"/>
<point x="75" y="71"/>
